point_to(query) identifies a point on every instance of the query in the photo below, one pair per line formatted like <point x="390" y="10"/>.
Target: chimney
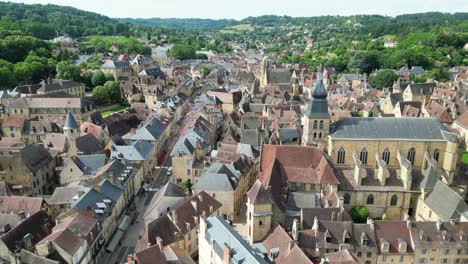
<point x="27" y="240"/>
<point x="291" y="245"/>
<point x="159" y="241"/>
<point x="295" y="229"/>
<point x="226" y="254"/>
<point x="332" y="216"/>
<point x="194" y="204"/>
<point x="370" y="222"/>
<point x="438" y="224"/>
<point x="21" y="214"/>
<point x="408" y="223"/>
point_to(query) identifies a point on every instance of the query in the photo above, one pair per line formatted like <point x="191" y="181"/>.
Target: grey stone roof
<point x="279" y="76"/>
<point x="110" y="190"/>
<point x="318" y="105"/>
<point x="288" y="134"/>
<point x="88" y="144"/>
<point x="90" y="199"/>
<point x="151" y="131"/>
<point x="218" y="176"/>
<point x="137" y="151"/>
<point x="115" y="64"/>
<point x="220" y="232"/>
<point x="58" y="85"/>
<point x="70" y="122"/>
<point x="416" y="129"/>
<point x="422" y="88"/>
<point x="90" y="164"/>
<point x="446" y="203"/>
<point x="299" y="200"/>
<point x="186" y="144"/>
<point x="35" y="157"/>
<point x="430" y="178"/>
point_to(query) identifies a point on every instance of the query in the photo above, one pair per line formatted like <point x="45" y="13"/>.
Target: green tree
<point x="359" y="214"/>
<point x="365" y="61"/>
<point x="187" y="185"/>
<point x="182" y="52"/>
<point x="107" y="93"/>
<point x="6" y="77"/>
<point x="99" y="78"/>
<point x="383" y="79"/>
<point x="67" y="71"/>
<point x="206" y="71"/>
<point x="87" y="79"/>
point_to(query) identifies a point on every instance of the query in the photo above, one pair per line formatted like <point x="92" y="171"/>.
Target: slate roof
<point x="218" y="176"/>
<point x="110" y="190"/>
<point x="445" y="202"/>
<point x="136" y="151"/>
<point x="90" y="164"/>
<point x="88" y="202"/>
<point x="151" y="131"/>
<point x="58" y="85"/>
<point x="35" y="157"/>
<point x="358" y="128"/>
<point x="318" y="105"/>
<point x="88" y="144"/>
<point x="221" y="233"/>
<point x="323" y="214"/>
<point x="168" y="190"/>
<point x="279" y="76"/>
<point x="115" y="64"/>
<point x="421" y="88"/>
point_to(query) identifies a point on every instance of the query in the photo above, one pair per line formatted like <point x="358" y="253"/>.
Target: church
<point x="379" y="162"/>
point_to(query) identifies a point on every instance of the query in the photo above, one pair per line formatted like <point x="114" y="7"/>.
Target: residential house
<point x="30" y="171"/>
<point x="67" y="86"/>
<point x="81" y="168"/>
<point x="220" y="243"/>
<point x="418" y="91"/>
<point x="24" y="222"/>
<point x="164" y="201"/>
<point x="179" y="227"/>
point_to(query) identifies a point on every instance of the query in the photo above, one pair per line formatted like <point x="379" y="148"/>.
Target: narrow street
<point x="159" y="178"/>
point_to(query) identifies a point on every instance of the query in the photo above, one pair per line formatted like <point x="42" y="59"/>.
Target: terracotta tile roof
<point x="342" y="257"/>
<point x="279" y="239"/>
<point x="29" y="205"/>
<point x="436" y="110"/>
<point x="392" y="231"/>
<point x="150" y="255"/>
<point x="90" y="128"/>
<point x="186" y="215"/>
<point x="258" y="194"/>
<point x="13" y="121"/>
<point x="463" y="120"/>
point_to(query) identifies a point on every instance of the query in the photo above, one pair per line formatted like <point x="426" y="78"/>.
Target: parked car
<point x="169" y="171"/>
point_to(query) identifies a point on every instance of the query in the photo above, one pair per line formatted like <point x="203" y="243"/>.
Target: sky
<point x="238" y="9"/>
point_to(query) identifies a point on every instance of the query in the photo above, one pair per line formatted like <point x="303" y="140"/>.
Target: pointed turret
<point x="70" y="122"/>
<point x="316" y="119"/>
<point x="318" y="106"/>
<point x="71" y="128"/>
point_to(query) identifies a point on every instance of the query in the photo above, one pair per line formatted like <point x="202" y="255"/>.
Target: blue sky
<point x="239" y="9"/>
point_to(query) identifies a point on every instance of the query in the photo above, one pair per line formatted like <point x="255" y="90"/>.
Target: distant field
<point x="113" y="110"/>
<point x="389" y="37"/>
<point x="237" y="28"/>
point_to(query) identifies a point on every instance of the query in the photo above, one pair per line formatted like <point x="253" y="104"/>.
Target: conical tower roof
<point x="318" y="106"/>
<point x="70" y="122"/>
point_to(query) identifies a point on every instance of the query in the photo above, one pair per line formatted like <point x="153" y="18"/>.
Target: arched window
<point x="315" y="124"/>
<point x="363" y="156"/>
<point x="411" y="154"/>
<point x="315" y="135"/>
<point x="341" y="156"/>
<point x="346" y="198"/>
<point x="386" y="155"/>
<point x="436" y="154"/>
<point x="370" y="199"/>
<point x="394" y="200"/>
<point x="321" y="124"/>
<point x="320" y="135"/>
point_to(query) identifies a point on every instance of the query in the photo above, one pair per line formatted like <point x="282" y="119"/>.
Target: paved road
<point x="159" y="178"/>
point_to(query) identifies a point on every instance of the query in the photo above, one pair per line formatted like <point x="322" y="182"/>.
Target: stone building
<point x="316" y="119"/>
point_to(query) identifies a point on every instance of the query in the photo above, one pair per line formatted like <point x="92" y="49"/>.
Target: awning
<point x="125" y="223"/>
<point x="115" y="240"/>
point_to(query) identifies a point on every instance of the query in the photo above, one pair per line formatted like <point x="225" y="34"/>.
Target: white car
<point x="169" y="171"/>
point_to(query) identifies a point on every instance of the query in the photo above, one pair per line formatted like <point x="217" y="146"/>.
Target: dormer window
<point x="402" y="246"/>
<point x="384" y="245"/>
<point x="364" y="239"/>
<point x="328" y="237"/>
<point x="346" y="237"/>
